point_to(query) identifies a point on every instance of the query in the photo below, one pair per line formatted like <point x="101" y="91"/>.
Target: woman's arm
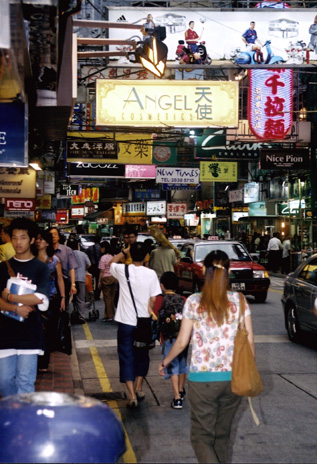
<point x="248" y="325"/>
<point x="61" y="285"/>
<point x="180" y="343"/>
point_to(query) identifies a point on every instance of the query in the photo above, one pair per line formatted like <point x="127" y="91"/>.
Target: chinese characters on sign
<point x="133" y="209"/>
<point x="176" y="210"/>
<point x="176" y="103"/>
<point x="154" y="208"/>
<point x="91" y="150"/>
<point x="270" y="102"/>
<point x="214" y="171"/>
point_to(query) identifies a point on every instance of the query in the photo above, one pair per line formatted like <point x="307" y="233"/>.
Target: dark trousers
<point x="133" y="362"/>
<point x="212" y="408"/>
<point x="49" y="324"/>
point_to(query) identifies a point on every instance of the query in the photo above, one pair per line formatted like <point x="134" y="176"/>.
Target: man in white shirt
<point x="274" y="252"/>
<point x="286" y="255"/>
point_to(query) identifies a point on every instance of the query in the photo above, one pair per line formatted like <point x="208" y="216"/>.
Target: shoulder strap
<point x="241" y="309"/>
<point x="126" y="270"/>
<point x="10" y="270"/>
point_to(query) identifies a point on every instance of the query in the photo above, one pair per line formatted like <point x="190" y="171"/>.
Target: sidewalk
<point x="63" y="375"/>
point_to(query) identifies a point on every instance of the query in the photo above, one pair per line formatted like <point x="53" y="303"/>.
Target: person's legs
<point x="228" y="404"/>
<point x="175" y="386"/>
<point x="203" y="414"/>
<point x="126" y="352"/>
<point x="181" y="382"/>
<point x="26" y="373"/>
<point x="80" y="298"/>
<point x="8" y="368"/>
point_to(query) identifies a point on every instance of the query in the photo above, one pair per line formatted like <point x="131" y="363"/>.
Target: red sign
<point x="270" y="102"/>
<point x="78" y="211"/>
<point x="19" y="204"/>
<point x="62" y="216"/>
<point x="176" y="210"/>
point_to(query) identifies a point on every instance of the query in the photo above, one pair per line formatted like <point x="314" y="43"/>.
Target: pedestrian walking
<point x="94" y="255"/>
<point x="162" y="259"/>
<point x="286" y="255"/>
<point x="210" y="319"/>
<point x="133" y="361"/>
<point x="274" y="249"/>
<point x="107" y="283"/>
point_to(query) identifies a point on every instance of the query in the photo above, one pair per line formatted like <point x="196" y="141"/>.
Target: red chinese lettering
<point x="274" y="129"/>
<point x="273" y="82"/>
<point x="274" y="107"/>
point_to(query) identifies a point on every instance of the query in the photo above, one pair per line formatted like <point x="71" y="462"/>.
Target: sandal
<point x="132" y="403"/>
<point x="140" y="394"/>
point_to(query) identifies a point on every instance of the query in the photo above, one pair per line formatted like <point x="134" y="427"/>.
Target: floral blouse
<point x="212" y="346"/>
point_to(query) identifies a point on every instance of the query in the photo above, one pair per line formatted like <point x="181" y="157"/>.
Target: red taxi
<point x="246" y="276"/>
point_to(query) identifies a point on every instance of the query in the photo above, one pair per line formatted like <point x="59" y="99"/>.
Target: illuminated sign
<point x="154" y="208"/>
<point x="251" y="192"/>
<point x="158" y="103"/>
<point x="271" y="159"/>
<point x="134" y="171"/>
<point x="17" y="183"/>
<point x="17" y="204"/>
<point x="133" y="209"/>
<point x="177" y="175"/>
<point x="62" y="216"/>
<point x="77" y="211"/>
<point x="270" y="102"/>
<point x="176" y="210"/>
<point x="214" y="171"/>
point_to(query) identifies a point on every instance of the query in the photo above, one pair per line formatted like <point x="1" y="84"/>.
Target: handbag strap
<point x="241" y="324"/>
<point x="10" y="270"/>
<point x="126" y="270"/>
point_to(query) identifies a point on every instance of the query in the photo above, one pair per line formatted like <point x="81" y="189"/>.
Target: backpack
<point x="169" y="317"/>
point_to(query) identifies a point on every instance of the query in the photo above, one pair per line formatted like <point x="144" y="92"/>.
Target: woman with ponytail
<point x="210" y="319"/>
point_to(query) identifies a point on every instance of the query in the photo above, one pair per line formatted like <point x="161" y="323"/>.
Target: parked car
<point x="300" y="300"/>
<point x="246" y="275"/>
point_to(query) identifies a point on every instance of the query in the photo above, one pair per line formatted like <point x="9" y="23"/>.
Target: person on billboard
<point x="192" y="39"/>
<point x="149" y="26"/>
<point x="250" y="38"/>
<point x="313" y="37"/>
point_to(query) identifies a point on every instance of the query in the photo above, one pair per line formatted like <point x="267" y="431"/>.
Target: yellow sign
<point x="132" y="148"/>
<point x="44" y="202"/>
<point x="167" y="103"/>
<point x="215" y="171"/>
<point x="17" y="183"/>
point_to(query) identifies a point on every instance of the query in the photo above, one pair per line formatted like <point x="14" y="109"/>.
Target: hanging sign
<point x="177" y="175"/>
<point x="218" y="171"/>
<point x="270" y="108"/>
<point x="297" y="159"/>
<point x="96" y="170"/>
<point x="176" y="210"/>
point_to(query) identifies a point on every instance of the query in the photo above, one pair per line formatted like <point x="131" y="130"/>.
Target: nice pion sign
<point x="155" y="103"/>
<point x="296" y="159"/>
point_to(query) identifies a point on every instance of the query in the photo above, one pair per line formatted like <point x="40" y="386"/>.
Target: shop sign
<point x="176" y="210"/>
<point x="235" y="195"/>
<point x="68" y="190"/>
<point x="177" y="175"/>
<point x="218" y="171"/>
<point x="270" y="109"/>
<point x="102" y="220"/>
<point x="48" y="178"/>
<point x="48" y="216"/>
<point x="13" y="134"/>
<point x="62" y="216"/>
<point x="44" y="202"/>
<point x="135" y="171"/>
<point x="165" y="153"/>
<point x="77" y="212"/>
<point x="251" y="192"/>
<point x="91" y="150"/>
<point x="19" y="204"/>
<point x="154" y="208"/>
<point x="133" y="209"/>
<point x="17" y="183"/>
<point x="85" y="195"/>
<point x="236" y="215"/>
<point x="214" y="144"/>
<point x="258" y="209"/>
<point x="89" y="170"/>
<point x="191" y="219"/>
<point x="146" y="194"/>
<point x="15" y="214"/>
<point x="296" y="159"/>
<point x="167" y="187"/>
<point x="173" y="103"/>
<point x="291" y="207"/>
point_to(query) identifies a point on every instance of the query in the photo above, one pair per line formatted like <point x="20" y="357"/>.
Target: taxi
<point x="246" y="275"/>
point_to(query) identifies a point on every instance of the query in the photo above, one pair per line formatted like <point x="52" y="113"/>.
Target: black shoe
<point x="177" y="404"/>
<point x="182" y="394"/>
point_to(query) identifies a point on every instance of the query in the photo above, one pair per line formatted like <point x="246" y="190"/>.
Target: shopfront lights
<point x="152" y="54"/>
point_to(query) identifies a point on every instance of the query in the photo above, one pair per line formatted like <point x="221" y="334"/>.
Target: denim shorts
<point x="179" y="364"/>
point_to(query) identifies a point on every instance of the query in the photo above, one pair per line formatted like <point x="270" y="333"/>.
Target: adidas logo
<point x="122" y="18"/>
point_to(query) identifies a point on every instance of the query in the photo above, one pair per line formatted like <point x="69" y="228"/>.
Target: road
<point x="287" y="408"/>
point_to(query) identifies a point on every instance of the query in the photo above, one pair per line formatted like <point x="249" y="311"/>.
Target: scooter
<point x="250" y="56"/>
<point x="185" y="55"/>
<point x="296" y="52"/>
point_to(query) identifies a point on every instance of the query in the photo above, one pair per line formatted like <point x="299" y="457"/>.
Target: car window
<point x="235" y="251"/>
<point x="309" y="272"/>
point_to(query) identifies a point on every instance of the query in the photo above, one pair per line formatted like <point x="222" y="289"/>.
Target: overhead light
<point x="152" y="54"/>
<point x="35" y="166"/>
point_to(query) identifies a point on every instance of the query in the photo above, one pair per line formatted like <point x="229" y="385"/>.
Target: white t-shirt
<point x="144" y="284"/>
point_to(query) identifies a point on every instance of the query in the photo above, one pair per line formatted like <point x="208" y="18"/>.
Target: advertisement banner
<point x="215" y="171"/>
<point x="62" y="216"/>
<point x="154" y="208"/>
<point x="251" y="192"/>
<point x="86" y="194"/>
<point x="296" y="159"/>
<point x="77" y="212"/>
<point x="160" y="102"/>
<point x="13" y="134"/>
<point x="19" y="204"/>
<point x="17" y="182"/>
<point x="177" y="175"/>
<point x="257" y="209"/>
<point x="235" y="195"/>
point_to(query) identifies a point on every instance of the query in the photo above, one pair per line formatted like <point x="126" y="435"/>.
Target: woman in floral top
<point x="210" y="319"/>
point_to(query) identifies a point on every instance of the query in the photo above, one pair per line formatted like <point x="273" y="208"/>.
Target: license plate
<point x="238" y="286"/>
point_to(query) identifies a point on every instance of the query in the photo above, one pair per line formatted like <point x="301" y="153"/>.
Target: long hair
<point x="214" y="298"/>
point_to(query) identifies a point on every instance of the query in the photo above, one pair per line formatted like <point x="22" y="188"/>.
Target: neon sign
<point x="270" y="103"/>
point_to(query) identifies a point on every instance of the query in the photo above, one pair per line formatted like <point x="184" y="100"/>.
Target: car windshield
<point x="235" y="251"/>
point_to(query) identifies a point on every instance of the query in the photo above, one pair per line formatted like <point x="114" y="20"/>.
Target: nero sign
<point x="272" y="159"/>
